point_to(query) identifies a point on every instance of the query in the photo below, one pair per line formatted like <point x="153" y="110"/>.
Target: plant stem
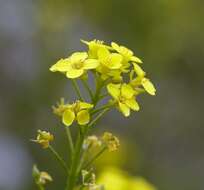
<point x="71" y="181"/>
<point x="59" y="158"/>
<point x="69" y="138"/>
<point x="84" y="82"/>
<point x="100" y="109"/>
<point x="98" y="117"/>
<point x="40" y="187"/>
<point x="95" y="157"/>
<point x="76" y="88"/>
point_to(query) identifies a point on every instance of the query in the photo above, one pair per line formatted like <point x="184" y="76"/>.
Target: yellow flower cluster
<point x="44" y="138"/>
<point x="78" y="111"/>
<point x="114" y="64"/>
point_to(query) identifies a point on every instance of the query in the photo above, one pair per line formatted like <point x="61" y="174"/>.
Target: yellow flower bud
<point x="111" y="141"/>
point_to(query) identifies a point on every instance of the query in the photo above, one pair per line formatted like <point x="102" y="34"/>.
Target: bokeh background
<point x="163" y="142"/>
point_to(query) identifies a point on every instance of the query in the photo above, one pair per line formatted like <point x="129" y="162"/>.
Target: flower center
<point x="78" y="65"/>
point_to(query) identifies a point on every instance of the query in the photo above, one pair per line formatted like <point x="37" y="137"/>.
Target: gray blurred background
<point x="163" y="142"/>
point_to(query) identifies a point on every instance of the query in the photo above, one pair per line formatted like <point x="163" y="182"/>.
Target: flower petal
<point x="132" y="103"/>
<point x="74" y="73"/>
<point x="83" y="117"/>
<point x="68" y="117"/>
<point x="138" y="70"/>
<point x="78" y="56"/>
<point x="127" y="91"/>
<point x="84" y="105"/>
<point x="124" y="109"/>
<point x="62" y="65"/>
<point x="135" y="59"/>
<point x="115" y="61"/>
<point x="91" y="64"/>
<point x="148" y="86"/>
<point x="114" y="90"/>
<point x="103" y="53"/>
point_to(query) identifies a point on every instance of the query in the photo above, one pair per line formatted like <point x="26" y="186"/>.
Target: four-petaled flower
<point x="124" y="95"/>
<point x="75" y="65"/>
<point x="78" y="111"/>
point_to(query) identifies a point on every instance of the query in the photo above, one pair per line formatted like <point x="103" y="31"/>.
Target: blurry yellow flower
<point x="40" y="177"/>
<point x="115" y="179"/>
<point x="91" y="142"/>
<point x="124" y="95"/>
<point x="94" y="46"/>
<point x="77" y="111"/>
<point x="111" y="141"/>
<point x="44" y="138"/>
<point x="76" y="65"/>
<point x="126" y="53"/>
<point x="139" y="183"/>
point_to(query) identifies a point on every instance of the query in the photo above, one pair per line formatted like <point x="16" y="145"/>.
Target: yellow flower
<point x="124" y="95"/>
<point x="111" y="141"/>
<point x="116" y="179"/>
<point x="110" y="63"/>
<point x="60" y="108"/>
<point x="40" y="177"/>
<point x="126" y="53"/>
<point x="75" y="65"/>
<point x="94" y="46"/>
<point x="44" y="138"/>
<point x="77" y="111"/>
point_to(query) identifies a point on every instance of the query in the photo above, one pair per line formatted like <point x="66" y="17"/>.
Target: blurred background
<point x="163" y="142"/>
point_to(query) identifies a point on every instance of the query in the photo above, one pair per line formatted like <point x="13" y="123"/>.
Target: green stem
<point x="76" y="88"/>
<point x="59" y="158"/>
<point x="101" y="108"/>
<point x="84" y="82"/>
<point x="95" y="157"/>
<point x="71" y="181"/>
<point x="98" y="117"/>
<point x="69" y="138"/>
<point x="40" y="187"/>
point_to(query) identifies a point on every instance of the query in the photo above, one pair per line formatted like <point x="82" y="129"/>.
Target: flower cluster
<point x="117" y="75"/>
<point x="114" y="64"/>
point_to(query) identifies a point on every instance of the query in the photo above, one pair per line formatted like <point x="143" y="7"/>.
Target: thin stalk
<point x="59" y="158"/>
<point x="101" y="108"/>
<point x="98" y="117"/>
<point x="95" y="157"/>
<point x="84" y="82"/>
<point x="40" y="187"/>
<point x="69" y="138"/>
<point x="71" y="180"/>
<point x="76" y="88"/>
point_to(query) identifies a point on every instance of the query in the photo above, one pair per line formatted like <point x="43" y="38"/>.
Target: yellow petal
<point x="83" y="117"/>
<point x="135" y="59"/>
<point x="115" y="46"/>
<point x="131" y="103"/>
<point x="68" y="117"/>
<point x="124" y="109"/>
<point x="91" y="64"/>
<point x="148" y="86"/>
<point x="115" y="61"/>
<point x="114" y="90"/>
<point x="78" y="56"/>
<point x="62" y="65"/>
<point x="138" y="70"/>
<point x="84" y="105"/>
<point x="74" y="73"/>
<point x="103" y="53"/>
<point x="127" y="91"/>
